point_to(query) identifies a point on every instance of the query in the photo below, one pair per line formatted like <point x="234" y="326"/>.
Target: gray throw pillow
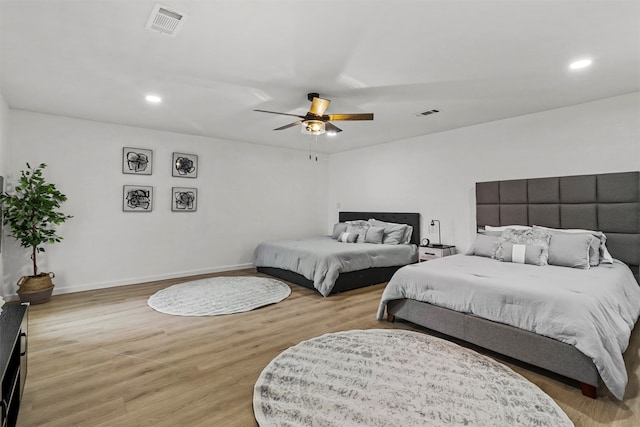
<point x="529" y="237"/>
<point x="393" y="234"/>
<point x="484" y="246"/>
<point x="338" y="227"/>
<point x="408" y="230"/>
<point x="571" y="250"/>
<point x="374" y="235"/>
<point x="359" y="228"/>
<point x="347" y="237"/>
<point x="522" y="254"/>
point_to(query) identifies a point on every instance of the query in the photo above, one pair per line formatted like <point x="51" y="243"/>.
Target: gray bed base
<point x="361" y="278"/>
<point x="606" y="202"/>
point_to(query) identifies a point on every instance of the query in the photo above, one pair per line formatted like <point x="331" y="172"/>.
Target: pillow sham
<point x="346" y="237"/>
<point x="602" y="255"/>
<point x="530" y="237"/>
<point x="359" y="228"/>
<point x="393" y="234"/>
<point x="522" y="254"/>
<point x="338" y="227"/>
<point x="374" y="235"/>
<point x="485" y="245"/>
<point x="505" y="227"/>
<point x="572" y="249"/>
<point x="408" y="230"/>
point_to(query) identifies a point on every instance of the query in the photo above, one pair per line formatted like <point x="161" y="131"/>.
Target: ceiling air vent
<point x="165" y="20"/>
<point x="428" y="113"/>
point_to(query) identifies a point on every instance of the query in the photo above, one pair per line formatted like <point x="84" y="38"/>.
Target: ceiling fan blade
<point x="282" y="114"/>
<point x="330" y="127"/>
<point x="290" y="125"/>
<point x="358" y="116"/>
<point x="319" y="106"/>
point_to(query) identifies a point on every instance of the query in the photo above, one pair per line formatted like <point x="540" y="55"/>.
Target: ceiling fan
<point x="316" y="122"/>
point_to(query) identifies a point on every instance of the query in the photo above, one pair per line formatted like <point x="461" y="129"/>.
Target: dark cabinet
<point x="13" y="360"/>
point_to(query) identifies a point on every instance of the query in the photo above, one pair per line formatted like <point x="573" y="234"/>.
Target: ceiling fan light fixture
<point x="313" y="127"/>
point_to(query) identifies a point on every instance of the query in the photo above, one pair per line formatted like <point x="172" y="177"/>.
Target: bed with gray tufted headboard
<point x="606" y="202"/>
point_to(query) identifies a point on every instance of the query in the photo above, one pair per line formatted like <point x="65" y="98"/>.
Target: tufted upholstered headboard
<point x="606" y="202"/>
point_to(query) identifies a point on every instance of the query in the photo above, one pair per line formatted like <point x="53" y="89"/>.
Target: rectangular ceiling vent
<point x="165" y="20"/>
<point x="428" y="113"/>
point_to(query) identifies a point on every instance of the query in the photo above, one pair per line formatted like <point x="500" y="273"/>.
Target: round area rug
<point x="386" y="377"/>
<point x="218" y="295"/>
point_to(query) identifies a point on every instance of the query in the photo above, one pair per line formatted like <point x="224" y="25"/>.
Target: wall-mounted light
<point x="439" y="244"/>
<point x="313" y="127"/>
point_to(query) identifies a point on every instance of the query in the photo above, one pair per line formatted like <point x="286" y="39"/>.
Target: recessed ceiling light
<point x="155" y="99"/>
<point x="580" y="64"/>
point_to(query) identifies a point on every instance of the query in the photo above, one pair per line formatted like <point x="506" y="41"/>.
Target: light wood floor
<point x="104" y="358"/>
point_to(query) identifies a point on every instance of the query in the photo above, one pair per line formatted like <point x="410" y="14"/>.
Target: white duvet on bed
<point x="593" y="310"/>
<point x="321" y="259"/>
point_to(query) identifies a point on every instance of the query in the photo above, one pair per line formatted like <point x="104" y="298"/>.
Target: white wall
<point x="247" y="193"/>
<point x="436" y="174"/>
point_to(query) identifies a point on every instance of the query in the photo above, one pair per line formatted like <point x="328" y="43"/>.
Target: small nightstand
<point x="426" y="253"/>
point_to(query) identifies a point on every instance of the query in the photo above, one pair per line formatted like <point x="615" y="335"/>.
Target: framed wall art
<point x="184" y="199"/>
<point x="137" y="198"/>
<point x="136" y="161"/>
<point x="184" y="165"/>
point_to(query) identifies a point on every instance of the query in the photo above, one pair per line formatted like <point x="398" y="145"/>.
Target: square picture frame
<point x="184" y="165"/>
<point x="137" y="161"/>
<point x="137" y="198"/>
<point x="184" y="199"/>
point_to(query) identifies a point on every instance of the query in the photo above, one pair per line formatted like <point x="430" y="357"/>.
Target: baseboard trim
<point x="58" y="290"/>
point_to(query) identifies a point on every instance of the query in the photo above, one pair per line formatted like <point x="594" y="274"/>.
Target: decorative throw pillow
<point x="374" y="235"/>
<point x="359" y="228"/>
<point x="571" y="249"/>
<point x="484" y="246"/>
<point x="346" y="237"/>
<point x="338" y="227"/>
<point x="522" y="254"/>
<point x="393" y="234"/>
<point x="408" y="230"/>
<point x="598" y="252"/>
<point x="529" y="237"/>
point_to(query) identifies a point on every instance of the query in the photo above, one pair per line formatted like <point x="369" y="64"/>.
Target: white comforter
<point x="593" y="310"/>
<point x="321" y="259"/>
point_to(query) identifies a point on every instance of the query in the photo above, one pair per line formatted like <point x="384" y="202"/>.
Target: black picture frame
<point x="184" y="199"/>
<point x="184" y="165"/>
<point x="137" y="198"/>
<point x="137" y="161"/>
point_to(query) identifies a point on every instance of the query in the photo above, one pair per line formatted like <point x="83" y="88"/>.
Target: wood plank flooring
<point x="104" y="358"/>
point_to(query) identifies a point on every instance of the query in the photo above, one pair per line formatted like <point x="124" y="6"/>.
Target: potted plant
<point x="32" y="215"/>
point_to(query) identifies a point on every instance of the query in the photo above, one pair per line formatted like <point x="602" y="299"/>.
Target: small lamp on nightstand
<point x="439" y="244"/>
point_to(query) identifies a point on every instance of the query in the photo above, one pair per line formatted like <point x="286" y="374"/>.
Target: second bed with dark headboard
<point x="609" y="203"/>
<point x="348" y="280"/>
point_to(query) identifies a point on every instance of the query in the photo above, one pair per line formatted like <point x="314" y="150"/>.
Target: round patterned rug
<point x="218" y="295"/>
<point x="386" y="377"/>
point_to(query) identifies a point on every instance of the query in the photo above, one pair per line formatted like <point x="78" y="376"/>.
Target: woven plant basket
<point x="36" y="297"/>
<point x="35" y="283"/>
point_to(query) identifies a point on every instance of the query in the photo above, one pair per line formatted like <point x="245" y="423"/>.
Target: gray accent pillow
<point x="338" y="227"/>
<point x="393" y="234"/>
<point x="374" y="235"/>
<point x="408" y="232"/>
<point x="359" y="228"/>
<point x="523" y="254"/>
<point x="347" y="237"/>
<point x="484" y="246"/>
<point x="598" y="248"/>
<point x="528" y="237"/>
<point x="572" y="249"/>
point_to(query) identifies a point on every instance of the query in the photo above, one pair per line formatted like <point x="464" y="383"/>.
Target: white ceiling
<point x="475" y="61"/>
